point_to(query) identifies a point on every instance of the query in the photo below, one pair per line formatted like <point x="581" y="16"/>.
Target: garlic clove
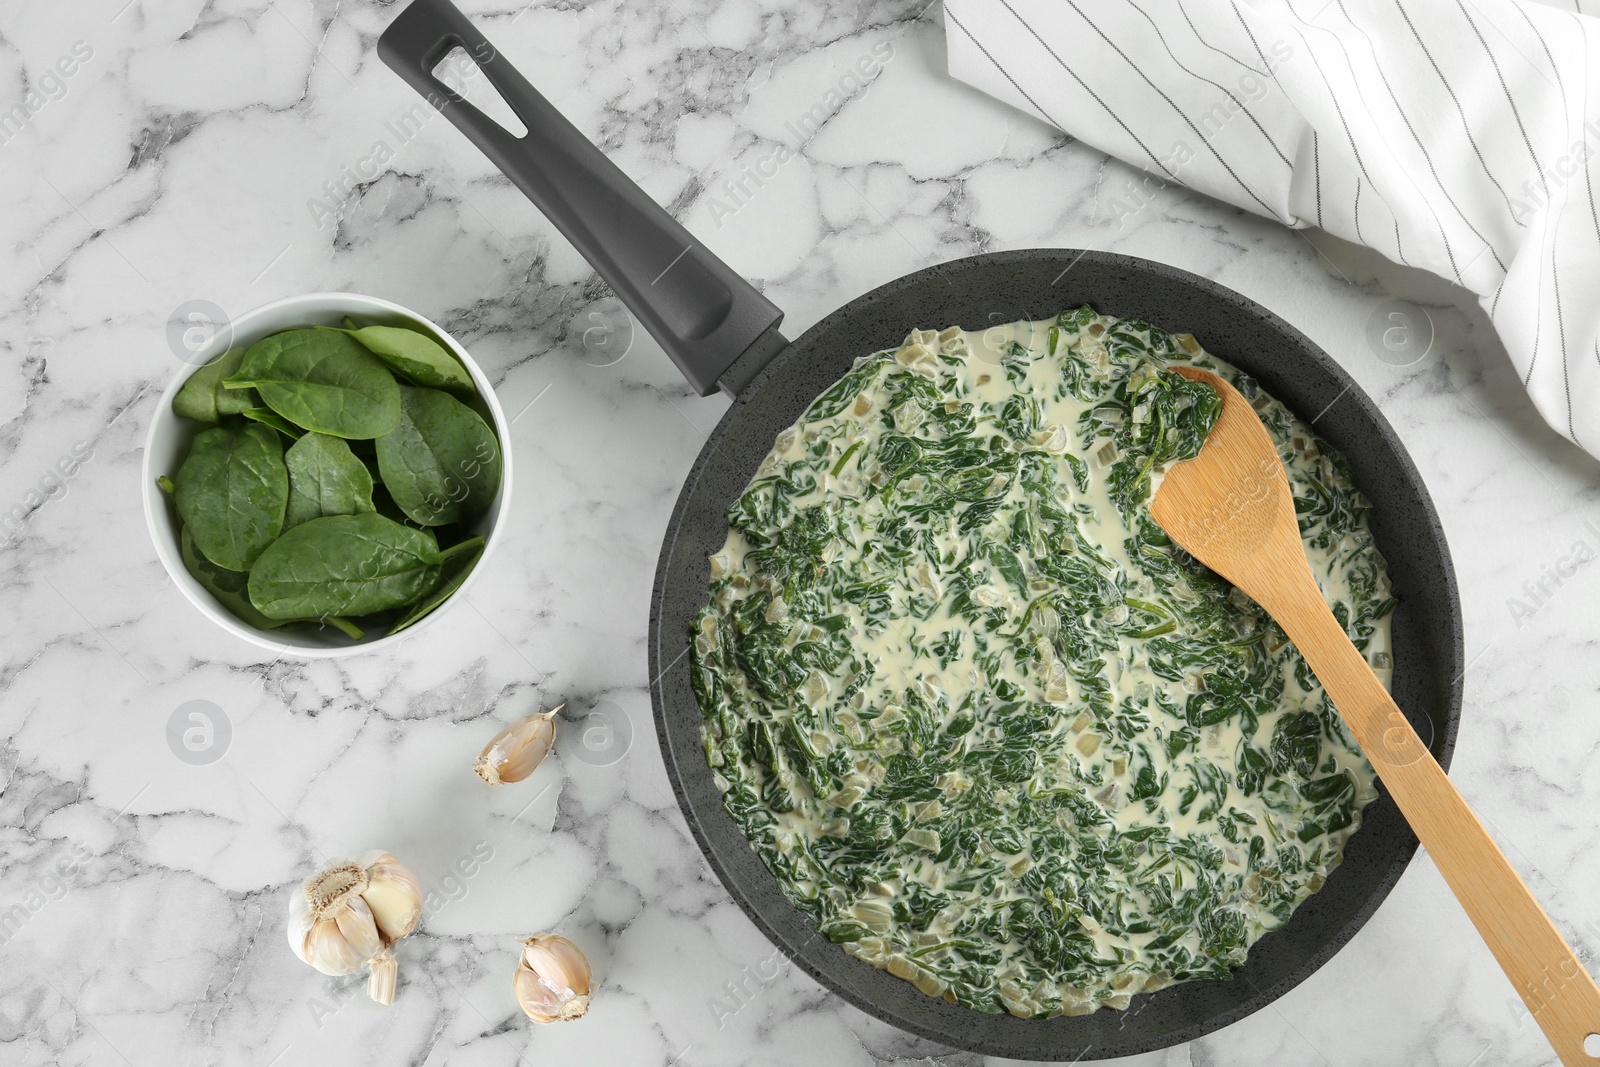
<point x="328" y="950"/>
<point x="300" y="923"/>
<point x="554" y="956"/>
<point x="380" y="981"/>
<point x="552" y="979"/>
<point x="544" y="1004"/>
<point x="516" y="752"/>
<point x="395" y="897"/>
<point x="359" y="928"/>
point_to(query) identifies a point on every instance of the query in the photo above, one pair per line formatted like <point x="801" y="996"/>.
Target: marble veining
<point x="228" y="152"/>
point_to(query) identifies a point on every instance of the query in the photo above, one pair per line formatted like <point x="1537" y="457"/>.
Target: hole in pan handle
<point x="701" y="312"/>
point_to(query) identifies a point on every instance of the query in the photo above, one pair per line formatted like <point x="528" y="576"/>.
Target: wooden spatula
<point x="1230" y="507"/>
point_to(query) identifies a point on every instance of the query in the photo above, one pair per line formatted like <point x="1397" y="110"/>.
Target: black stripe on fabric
<point x="1538" y="320"/>
<point x="1515" y="113"/>
<point x="1588" y="169"/>
<point x="1356" y="209"/>
<point x="1225" y="91"/>
<point x="1566" y="198"/>
<point x="1384" y="78"/>
<point x="1378" y="66"/>
<point x="1506" y="37"/>
<point x="1085" y="87"/>
<point x="1253" y="42"/>
<point x="1561" y="83"/>
<point x="1266" y="71"/>
<point x="1561" y="339"/>
<point x="951" y="15"/>
<point x="1394" y="217"/>
<point x="1176" y="109"/>
<point x="1316" y="160"/>
<point x="1459" y="111"/>
<point x="1266" y="66"/>
<point x="1334" y="97"/>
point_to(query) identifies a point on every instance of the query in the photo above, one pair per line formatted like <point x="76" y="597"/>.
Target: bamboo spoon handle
<point x="1231" y="508"/>
<point x="1558" y="991"/>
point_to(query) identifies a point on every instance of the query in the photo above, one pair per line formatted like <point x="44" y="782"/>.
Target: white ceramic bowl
<point x="171" y="436"/>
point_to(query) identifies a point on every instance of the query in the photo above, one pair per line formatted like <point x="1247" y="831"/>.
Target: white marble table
<point x="240" y="151"/>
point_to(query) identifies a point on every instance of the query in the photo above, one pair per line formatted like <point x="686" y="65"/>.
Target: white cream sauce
<point x="970" y="367"/>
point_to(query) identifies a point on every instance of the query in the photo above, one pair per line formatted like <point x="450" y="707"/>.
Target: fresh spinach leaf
<point x="268" y="417"/>
<point x="232" y="492"/>
<point x="227" y="587"/>
<point x="417" y="356"/>
<point x="230" y="588"/>
<point x="322" y="380"/>
<point x="347" y="565"/>
<point x="458" y="562"/>
<point x="325" y="478"/>
<point x="441" y="463"/>
<point x="203" y="397"/>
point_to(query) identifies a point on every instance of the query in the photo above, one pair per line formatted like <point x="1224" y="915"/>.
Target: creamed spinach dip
<point x="985" y="723"/>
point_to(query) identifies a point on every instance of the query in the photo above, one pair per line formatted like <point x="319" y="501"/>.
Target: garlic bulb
<point x="351" y="913"/>
<point x="552" y="980"/>
<point x="517" y="751"/>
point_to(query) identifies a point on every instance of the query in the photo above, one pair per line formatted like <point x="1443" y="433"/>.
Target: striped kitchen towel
<point x="1459" y="136"/>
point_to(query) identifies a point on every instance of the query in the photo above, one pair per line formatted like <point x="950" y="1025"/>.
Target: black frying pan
<point x="723" y="333"/>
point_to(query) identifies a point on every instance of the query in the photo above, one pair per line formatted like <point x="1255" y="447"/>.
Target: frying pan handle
<point x="703" y="314"/>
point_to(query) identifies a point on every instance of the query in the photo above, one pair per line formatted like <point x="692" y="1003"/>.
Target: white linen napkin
<point x="1454" y="135"/>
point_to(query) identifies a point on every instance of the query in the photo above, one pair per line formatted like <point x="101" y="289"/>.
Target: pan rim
<point x="1393" y="448"/>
